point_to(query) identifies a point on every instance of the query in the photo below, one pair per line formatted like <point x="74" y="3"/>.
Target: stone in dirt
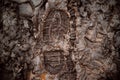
<point x="25" y="10"/>
<point x="20" y="1"/>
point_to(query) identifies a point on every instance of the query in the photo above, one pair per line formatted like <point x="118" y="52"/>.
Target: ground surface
<point x="59" y="39"/>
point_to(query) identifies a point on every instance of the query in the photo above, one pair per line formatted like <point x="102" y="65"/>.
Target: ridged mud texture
<point x="56" y="25"/>
<point x="53" y="61"/>
<point x="70" y="72"/>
